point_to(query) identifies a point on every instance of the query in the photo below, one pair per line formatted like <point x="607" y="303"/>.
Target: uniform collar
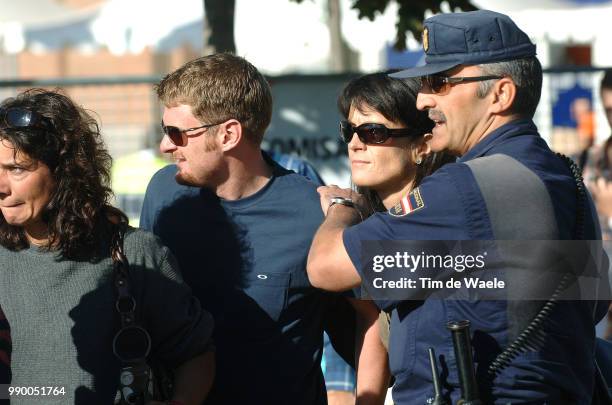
<point x="509" y="130"/>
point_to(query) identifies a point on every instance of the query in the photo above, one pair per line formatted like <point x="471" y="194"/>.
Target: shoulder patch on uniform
<point x="409" y="203"/>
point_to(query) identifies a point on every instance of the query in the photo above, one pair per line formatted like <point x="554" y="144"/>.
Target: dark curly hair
<point x="79" y="216"/>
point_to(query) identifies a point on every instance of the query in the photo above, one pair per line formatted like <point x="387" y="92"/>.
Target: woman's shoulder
<point x="145" y="251"/>
<point x="143" y="245"/>
<point x="137" y="235"/>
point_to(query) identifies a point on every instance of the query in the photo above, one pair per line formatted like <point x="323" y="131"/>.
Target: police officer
<point x="481" y="84"/>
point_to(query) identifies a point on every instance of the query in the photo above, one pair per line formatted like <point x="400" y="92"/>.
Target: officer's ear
<point x="503" y="94"/>
<point x="229" y="134"/>
<point x="421" y="148"/>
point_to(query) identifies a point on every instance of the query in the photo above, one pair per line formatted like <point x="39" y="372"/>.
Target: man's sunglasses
<point x="440" y="84"/>
<point x="373" y="133"/>
<point x="179" y="136"/>
<point x="16" y="117"/>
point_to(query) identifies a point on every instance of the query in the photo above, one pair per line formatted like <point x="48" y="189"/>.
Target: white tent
<point x="279" y="36"/>
<point x="18" y="18"/>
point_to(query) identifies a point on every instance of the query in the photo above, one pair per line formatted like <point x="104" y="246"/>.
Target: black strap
<point x="125" y="303"/>
<point x="581" y="202"/>
<point x="132" y="342"/>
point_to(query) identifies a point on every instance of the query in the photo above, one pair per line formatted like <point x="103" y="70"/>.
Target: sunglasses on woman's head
<point x="374" y="133"/>
<point x="440" y="84"/>
<point x="179" y="136"/>
<point x="17" y="117"/>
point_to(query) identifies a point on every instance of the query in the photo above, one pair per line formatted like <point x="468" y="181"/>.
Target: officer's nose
<point x="424" y="101"/>
<point x="166" y="146"/>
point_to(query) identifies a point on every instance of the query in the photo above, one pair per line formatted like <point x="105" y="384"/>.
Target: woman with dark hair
<point x="389" y="156"/>
<point x="62" y="293"/>
<point x="387" y="138"/>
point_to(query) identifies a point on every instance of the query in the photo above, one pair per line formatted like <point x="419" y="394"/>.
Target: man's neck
<point x="487" y="127"/>
<point x="248" y="173"/>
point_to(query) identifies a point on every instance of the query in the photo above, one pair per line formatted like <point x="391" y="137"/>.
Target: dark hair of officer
<point x="396" y="101"/>
<point x="220" y="87"/>
<point x="79" y="213"/>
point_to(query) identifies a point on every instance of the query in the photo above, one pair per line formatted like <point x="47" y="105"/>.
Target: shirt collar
<point x="509" y="130"/>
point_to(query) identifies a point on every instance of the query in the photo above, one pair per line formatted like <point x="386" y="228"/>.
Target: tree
<point x="219" y="26"/>
<point x="345" y="59"/>
<point x="219" y="19"/>
<point x="410" y="14"/>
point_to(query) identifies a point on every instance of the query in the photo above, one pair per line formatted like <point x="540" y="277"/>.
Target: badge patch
<point x="425" y="39"/>
<point x="410" y="203"/>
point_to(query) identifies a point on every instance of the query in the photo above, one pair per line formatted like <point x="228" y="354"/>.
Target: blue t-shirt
<point x="298" y="165"/>
<point x="450" y="205"/>
<point x="245" y="260"/>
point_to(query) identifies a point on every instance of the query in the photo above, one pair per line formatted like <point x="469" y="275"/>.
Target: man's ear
<point x="229" y="134"/>
<point x="421" y="148"/>
<point x="504" y="94"/>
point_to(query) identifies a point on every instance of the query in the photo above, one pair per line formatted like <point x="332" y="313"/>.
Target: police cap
<point x="471" y="38"/>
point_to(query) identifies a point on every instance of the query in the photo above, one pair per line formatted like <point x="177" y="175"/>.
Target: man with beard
<point x="240" y="226"/>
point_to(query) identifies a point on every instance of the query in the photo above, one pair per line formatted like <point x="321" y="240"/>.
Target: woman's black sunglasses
<point x="16" y="117"/>
<point x="374" y="133"/>
<point x="179" y="136"/>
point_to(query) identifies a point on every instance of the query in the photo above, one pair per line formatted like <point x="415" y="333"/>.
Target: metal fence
<point x="305" y="116"/>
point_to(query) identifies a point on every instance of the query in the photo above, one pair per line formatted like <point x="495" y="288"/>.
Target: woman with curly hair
<point x="60" y="289"/>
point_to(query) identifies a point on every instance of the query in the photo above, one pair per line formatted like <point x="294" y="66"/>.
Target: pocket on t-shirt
<point x="265" y="296"/>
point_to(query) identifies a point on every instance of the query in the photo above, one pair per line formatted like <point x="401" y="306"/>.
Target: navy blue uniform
<point x="245" y="260"/>
<point x="452" y="205"/>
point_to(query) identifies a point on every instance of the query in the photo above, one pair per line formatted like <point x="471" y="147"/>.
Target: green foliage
<point x="410" y="14"/>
